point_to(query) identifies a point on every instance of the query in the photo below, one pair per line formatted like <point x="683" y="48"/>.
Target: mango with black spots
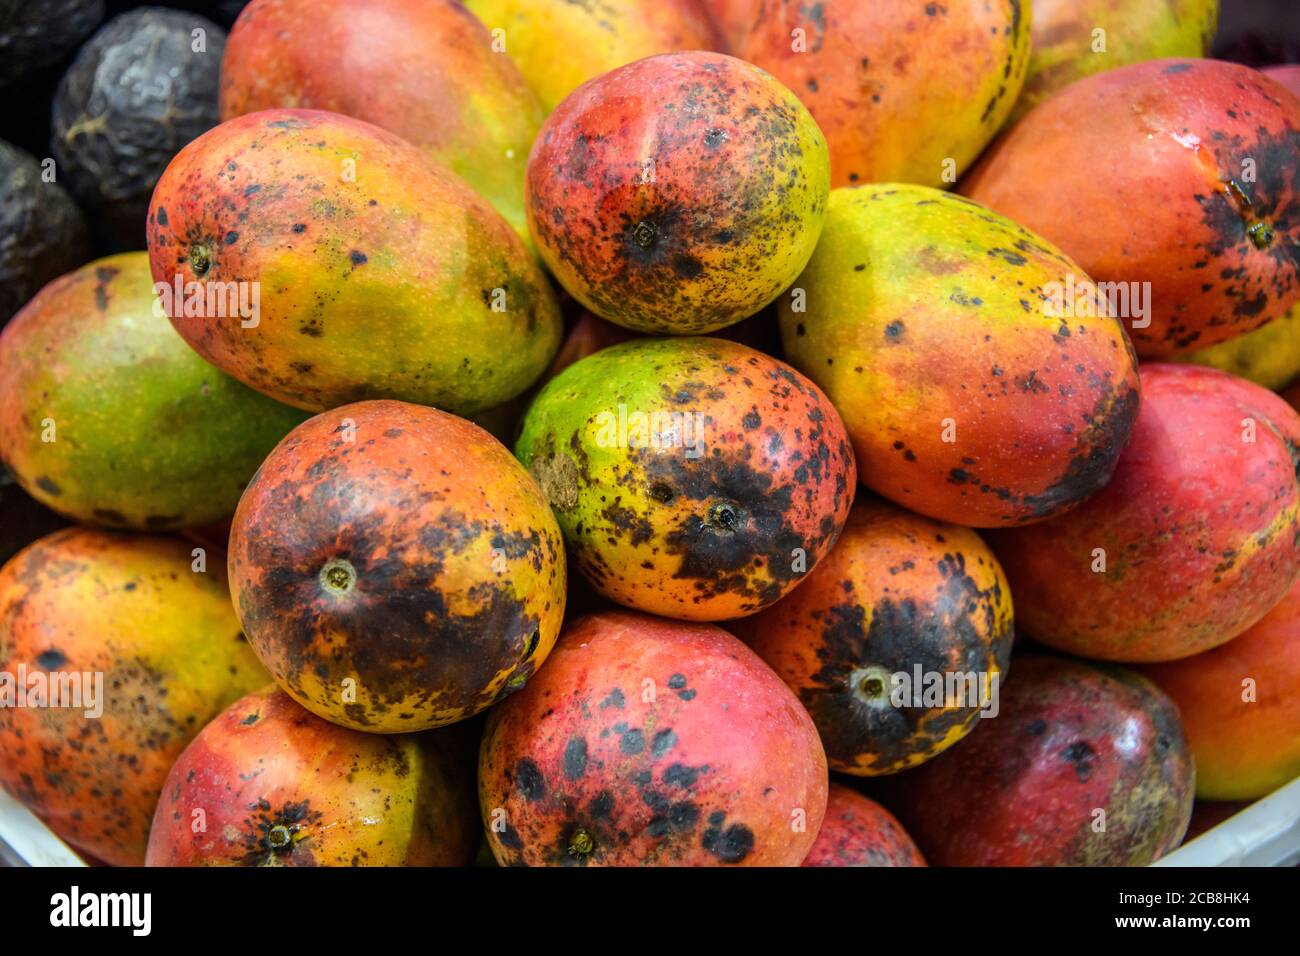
<point x="395" y="568"/>
<point x="560" y="45"/>
<point x="692" y="477"/>
<point x="649" y="742"/>
<point x="678" y="194"/>
<point x="980" y="375"/>
<point x="322" y="260"/>
<point x="1195" y="538"/>
<point x="1240" y="707"/>
<point x="896" y="643"/>
<point x="1187" y="199"/>
<point x="115" y="650"/>
<point x="1071" y="39"/>
<point x="109" y="417"/>
<point x="424" y="69"/>
<point x="274" y="785"/>
<point x="1268" y="356"/>
<point x="857" y="831"/>
<point x="905" y="92"/>
<point x="1086" y="765"/>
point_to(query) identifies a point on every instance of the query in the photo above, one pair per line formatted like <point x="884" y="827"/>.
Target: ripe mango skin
<point x="146" y="434"/>
<point x="423" y="69"/>
<point x="732" y="483"/>
<point x="651" y="742"/>
<point x="897" y="590"/>
<point x="559" y="45"/>
<point x="679" y="194"/>
<point x="1246" y="745"/>
<point x="926" y="323"/>
<point x="1063" y="41"/>
<point x="451" y="589"/>
<point x="905" y="92"/>
<point x="1191" y="185"/>
<point x="380" y="274"/>
<point x="1268" y="356"/>
<point x="1071" y="739"/>
<point x="857" y="831"/>
<point x="1195" y="537"/>
<point x="168" y="644"/>
<point x="278" y="786"/>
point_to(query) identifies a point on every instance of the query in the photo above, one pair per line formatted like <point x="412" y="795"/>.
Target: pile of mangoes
<point x="648" y="432"/>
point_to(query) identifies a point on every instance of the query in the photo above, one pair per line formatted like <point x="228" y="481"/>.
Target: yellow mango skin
<point x="1065" y="48"/>
<point x="925" y="319"/>
<point x="559" y="44"/>
<point x="172" y="655"/>
<point x="424" y="69"/>
<point x="1268" y="356"/>
<point x="904" y="91"/>
<point x="379" y="273"/>
<point x="728" y="218"/>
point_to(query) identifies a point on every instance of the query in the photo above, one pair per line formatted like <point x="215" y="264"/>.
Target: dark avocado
<point x="38" y="33"/>
<point x="137" y="93"/>
<point x="42" y="232"/>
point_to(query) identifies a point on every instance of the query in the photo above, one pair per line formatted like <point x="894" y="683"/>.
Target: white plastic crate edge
<point x="1266" y="833"/>
<point x="31" y="839"/>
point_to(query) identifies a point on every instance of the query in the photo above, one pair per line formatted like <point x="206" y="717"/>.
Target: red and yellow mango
<point x="376" y="272"/>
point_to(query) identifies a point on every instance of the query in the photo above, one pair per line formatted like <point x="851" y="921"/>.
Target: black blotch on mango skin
<point x="575" y="758"/>
<point x="51" y="660"/>
<point x="1081" y="755"/>
<point x="264" y="833"/>
<point x="395" y="615"/>
<point x="722" y="556"/>
<point x="529" y="780"/>
<point x="730" y="845"/>
<point x="902" y="633"/>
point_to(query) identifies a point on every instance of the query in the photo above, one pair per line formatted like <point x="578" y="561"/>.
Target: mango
<point x="395" y="568"/>
<point x="559" y="44"/>
<point x="143" y="628"/>
<point x="109" y="417"/>
<point x="1186" y="198"/>
<point x="1269" y="356"/>
<point x="278" y="786"/>
<point x="1194" y="539"/>
<point x="331" y="261"/>
<point x="1072" y="39"/>
<point x="905" y="91"/>
<point x="857" y="831"/>
<point x="978" y="375"/>
<point x="692" y="477"/>
<point x="423" y="69"/>
<point x="1026" y="789"/>
<point x="901" y="601"/>
<point x="679" y="194"/>
<point x="648" y="742"/>
<point x="1240" y="706"/>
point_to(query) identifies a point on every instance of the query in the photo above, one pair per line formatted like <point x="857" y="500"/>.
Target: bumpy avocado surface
<point x="139" y="90"/>
<point x="39" y="33"/>
<point x="42" y="232"/>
